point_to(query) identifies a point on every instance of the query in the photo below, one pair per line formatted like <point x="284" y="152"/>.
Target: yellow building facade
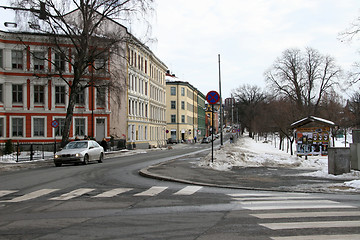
<point x="182" y="111"/>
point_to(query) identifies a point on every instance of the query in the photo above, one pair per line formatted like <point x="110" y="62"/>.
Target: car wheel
<point x="101" y="158"/>
<point x="58" y="164"/>
<point x="86" y="159"/>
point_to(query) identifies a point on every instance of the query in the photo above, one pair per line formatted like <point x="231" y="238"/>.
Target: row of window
<point x="173" y="105"/>
<point x="138" y="85"/>
<point x="141" y="133"/>
<point x="157" y="94"/>
<point x="40" y="58"/>
<point x="60" y="93"/>
<point x="38" y="127"/>
<point x="138" y="108"/>
<point x="173" y="91"/>
<point x="183" y="119"/>
<point x="141" y="63"/>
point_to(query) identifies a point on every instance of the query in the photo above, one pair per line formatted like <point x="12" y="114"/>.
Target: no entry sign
<point x="212" y="97"/>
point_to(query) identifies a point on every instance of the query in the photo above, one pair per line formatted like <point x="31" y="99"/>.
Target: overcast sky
<point x="249" y="35"/>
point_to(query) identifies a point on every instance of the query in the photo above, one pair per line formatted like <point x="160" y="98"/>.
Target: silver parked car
<point x="79" y="152"/>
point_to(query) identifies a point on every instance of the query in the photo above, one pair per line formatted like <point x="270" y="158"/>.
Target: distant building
<point x="185" y="113"/>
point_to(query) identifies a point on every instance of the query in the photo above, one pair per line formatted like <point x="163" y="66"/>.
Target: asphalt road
<point x="112" y="201"/>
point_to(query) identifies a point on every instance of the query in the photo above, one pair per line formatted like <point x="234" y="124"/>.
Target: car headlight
<point x="57" y="156"/>
<point x="78" y="155"/>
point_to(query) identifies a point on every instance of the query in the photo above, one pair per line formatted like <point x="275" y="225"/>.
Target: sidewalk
<point x="187" y="170"/>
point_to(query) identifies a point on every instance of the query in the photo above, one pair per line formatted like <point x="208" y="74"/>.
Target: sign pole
<point x="221" y="110"/>
<point x="212" y="98"/>
<point x="212" y="134"/>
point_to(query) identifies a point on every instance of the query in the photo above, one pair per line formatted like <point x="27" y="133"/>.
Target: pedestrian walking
<point x="231" y="139"/>
<point x="104" y="144"/>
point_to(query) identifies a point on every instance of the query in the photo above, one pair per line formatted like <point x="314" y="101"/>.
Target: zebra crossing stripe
<point x="275" y="198"/>
<point x="297" y="206"/>
<point x="306" y="214"/>
<point x="6" y="192"/>
<point x="302" y="225"/>
<point x="189" y="190"/>
<point x="320" y="237"/>
<point x="32" y="195"/>
<point x="112" y="193"/>
<point x="151" y="191"/>
<point x="73" y="194"/>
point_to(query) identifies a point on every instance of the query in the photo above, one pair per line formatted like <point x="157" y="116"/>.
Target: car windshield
<point x="74" y="145"/>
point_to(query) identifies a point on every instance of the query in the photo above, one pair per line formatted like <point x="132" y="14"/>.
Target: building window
<point x="173" y="104"/>
<point x="17" y="93"/>
<point x="101" y="96"/>
<point x="17" y="127"/>
<point x="39" y="61"/>
<point x="79" y="126"/>
<point x="39" y="126"/>
<point x="59" y="62"/>
<point x="173" y="91"/>
<point x="2" y="127"/>
<point x="1" y="58"/>
<point x="38" y="94"/>
<point x="17" y="59"/>
<point x="182" y="118"/>
<point x="1" y="93"/>
<point x="173" y="118"/>
<point x="80" y="97"/>
<point x="182" y="91"/>
<point x="100" y="65"/>
<point x="59" y="94"/>
<point x="182" y="105"/>
<point x="59" y="130"/>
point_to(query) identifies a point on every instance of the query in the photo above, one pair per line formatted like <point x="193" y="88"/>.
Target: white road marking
<point x="306" y="214"/>
<point x="152" y="191"/>
<point x="302" y="225"/>
<point x="32" y="195"/>
<point x="112" y="193"/>
<point x="287" y="207"/>
<point x="73" y="194"/>
<point x="299" y="202"/>
<point x="320" y="237"/>
<point x="6" y="192"/>
<point x="189" y="190"/>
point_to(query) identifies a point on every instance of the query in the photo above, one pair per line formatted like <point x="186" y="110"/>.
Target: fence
<point x="17" y="152"/>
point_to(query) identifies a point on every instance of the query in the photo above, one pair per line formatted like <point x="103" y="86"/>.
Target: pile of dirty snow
<point x="246" y="152"/>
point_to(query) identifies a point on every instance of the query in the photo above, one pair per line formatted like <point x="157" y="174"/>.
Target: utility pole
<point x="221" y="115"/>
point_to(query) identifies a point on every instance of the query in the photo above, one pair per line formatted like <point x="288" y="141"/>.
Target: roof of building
<point x="311" y="119"/>
<point x="171" y="79"/>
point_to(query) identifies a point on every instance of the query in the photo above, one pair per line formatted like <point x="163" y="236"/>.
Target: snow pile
<point x="246" y="152"/>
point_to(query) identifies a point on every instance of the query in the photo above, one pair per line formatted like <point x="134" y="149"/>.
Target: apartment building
<point x="32" y="95"/>
<point x="128" y="102"/>
<point x="184" y="105"/>
<point x="146" y="120"/>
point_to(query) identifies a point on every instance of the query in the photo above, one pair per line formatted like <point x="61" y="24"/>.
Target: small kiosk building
<point x="312" y="136"/>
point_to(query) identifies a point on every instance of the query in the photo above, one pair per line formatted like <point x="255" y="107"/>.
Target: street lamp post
<point x="221" y="115"/>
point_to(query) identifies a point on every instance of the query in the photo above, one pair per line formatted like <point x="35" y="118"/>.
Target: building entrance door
<point x="100" y="129"/>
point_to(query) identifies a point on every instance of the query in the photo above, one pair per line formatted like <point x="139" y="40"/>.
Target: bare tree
<point x="248" y="99"/>
<point x="85" y="36"/>
<point x="303" y="78"/>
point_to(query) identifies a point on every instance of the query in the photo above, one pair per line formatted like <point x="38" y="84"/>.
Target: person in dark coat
<point x="104" y="144"/>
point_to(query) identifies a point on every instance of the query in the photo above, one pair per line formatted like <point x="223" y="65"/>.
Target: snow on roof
<point x="311" y="119"/>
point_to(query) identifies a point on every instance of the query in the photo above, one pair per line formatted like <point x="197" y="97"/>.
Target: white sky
<point x="249" y="35"/>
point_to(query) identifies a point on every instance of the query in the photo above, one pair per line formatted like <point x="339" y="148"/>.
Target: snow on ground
<point x="246" y="152"/>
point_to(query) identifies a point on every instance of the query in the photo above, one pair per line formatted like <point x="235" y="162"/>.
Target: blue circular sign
<point x="212" y="97"/>
<point x="54" y="124"/>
